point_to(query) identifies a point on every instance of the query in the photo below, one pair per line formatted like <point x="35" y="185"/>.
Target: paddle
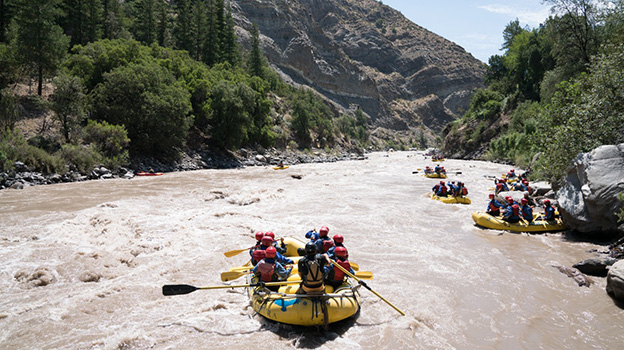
<point x="235" y="252"/>
<point x="365" y="286"/>
<point x="232" y="275"/>
<point x="179" y="289"/>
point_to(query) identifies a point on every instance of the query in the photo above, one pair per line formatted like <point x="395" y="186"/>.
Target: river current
<point x="82" y="264"/>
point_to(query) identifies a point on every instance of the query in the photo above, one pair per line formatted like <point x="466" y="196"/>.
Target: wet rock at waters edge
<point x="588" y="199"/>
<point x="615" y="280"/>
<point x="595" y="266"/>
<point x="576" y="275"/>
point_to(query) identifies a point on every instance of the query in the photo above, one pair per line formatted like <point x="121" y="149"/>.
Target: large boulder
<point x="588" y="200"/>
<point x="615" y="280"/>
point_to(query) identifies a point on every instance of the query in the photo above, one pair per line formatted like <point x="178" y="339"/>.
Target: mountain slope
<point x="362" y="53"/>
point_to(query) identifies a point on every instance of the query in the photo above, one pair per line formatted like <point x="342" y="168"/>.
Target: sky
<point x="475" y="25"/>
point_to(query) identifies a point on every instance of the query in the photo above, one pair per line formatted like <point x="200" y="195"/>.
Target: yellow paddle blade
<point x="365" y="275"/>
<point x="232" y="253"/>
<point x="232" y="275"/>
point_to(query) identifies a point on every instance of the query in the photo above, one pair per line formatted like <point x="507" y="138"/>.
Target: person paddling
<point x="512" y="214"/>
<point x="323" y="236"/>
<point x="335" y="276"/>
<point x="269" y="270"/>
<point x="311" y="270"/>
<point x="526" y="210"/>
<point x="549" y="211"/>
<point x="493" y="206"/>
<point x="267" y="242"/>
<point x="338" y="242"/>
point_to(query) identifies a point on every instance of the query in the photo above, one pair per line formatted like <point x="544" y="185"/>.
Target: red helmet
<point x="267" y="241"/>
<point x="547" y="201"/>
<point x="513" y="171"/>
<point x="324" y="231"/>
<point x="509" y="200"/>
<point x="327" y="244"/>
<point x="270" y="234"/>
<point x="259" y="235"/>
<point x="525" y="181"/>
<point x="341" y="252"/>
<point x="441" y="182"/>
<point x="499" y="185"/>
<point x="491" y="195"/>
<point x="338" y="239"/>
<point x="259" y="254"/>
<point x="524" y="201"/>
<point x="515" y="207"/>
<point x="271" y="252"/>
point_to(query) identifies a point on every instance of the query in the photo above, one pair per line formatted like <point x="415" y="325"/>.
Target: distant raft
<point x="144" y="173"/>
<point x="452" y="200"/>
<point x="483" y="219"/>
<point x="280" y="167"/>
<point x="436" y="175"/>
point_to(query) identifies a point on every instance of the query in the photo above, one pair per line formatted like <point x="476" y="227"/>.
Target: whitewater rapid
<point x="82" y="264"/>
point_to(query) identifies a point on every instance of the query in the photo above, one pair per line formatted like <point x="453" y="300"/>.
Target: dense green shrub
<point x="110" y="140"/>
<point x="80" y="158"/>
<point x="13" y="147"/>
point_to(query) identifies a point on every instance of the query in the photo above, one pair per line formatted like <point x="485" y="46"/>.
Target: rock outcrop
<point x="615" y="281"/>
<point x="361" y="53"/>
<point x="588" y="200"/>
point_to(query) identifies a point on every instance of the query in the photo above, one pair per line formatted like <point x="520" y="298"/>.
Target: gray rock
<point x="615" y="280"/>
<point x="588" y="199"/>
<point x="595" y="266"/>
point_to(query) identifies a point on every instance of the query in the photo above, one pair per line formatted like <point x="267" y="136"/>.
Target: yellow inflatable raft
<point x="286" y="306"/>
<point x="452" y="200"/>
<point x="436" y="175"/>
<point x="483" y="219"/>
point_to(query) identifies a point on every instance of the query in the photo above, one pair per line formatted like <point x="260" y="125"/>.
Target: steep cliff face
<point x="362" y="53"/>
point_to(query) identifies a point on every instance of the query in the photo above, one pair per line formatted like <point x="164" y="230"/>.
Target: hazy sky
<point x="475" y="25"/>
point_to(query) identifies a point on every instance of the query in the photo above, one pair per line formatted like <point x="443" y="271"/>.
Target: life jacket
<point x="493" y="205"/>
<point x="436" y="188"/>
<point x="266" y="270"/>
<point x="464" y="191"/>
<point x="338" y="273"/>
<point x="313" y="279"/>
<point x="443" y="190"/>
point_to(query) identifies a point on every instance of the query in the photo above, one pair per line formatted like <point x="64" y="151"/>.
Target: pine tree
<point x="255" y="62"/>
<point x="229" y="50"/>
<point x="6" y="13"/>
<point x="40" y="43"/>
<point x="182" y="31"/>
<point x="199" y="26"/>
<point x="112" y="20"/>
<point x="82" y="20"/>
<point x="212" y="45"/>
<point x="146" y="25"/>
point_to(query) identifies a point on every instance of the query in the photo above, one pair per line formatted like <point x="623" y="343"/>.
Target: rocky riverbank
<point x="22" y="176"/>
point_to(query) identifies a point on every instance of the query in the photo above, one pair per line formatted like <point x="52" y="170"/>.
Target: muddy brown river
<point x="82" y="264"/>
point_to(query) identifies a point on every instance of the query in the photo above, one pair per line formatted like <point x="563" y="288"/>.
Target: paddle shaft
<point x="366" y="286"/>
<point x="178" y="289"/>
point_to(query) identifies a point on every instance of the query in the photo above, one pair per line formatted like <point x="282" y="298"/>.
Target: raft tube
<point x="436" y="175"/>
<point x="452" y="200"/>
<point x="483" y="219"/>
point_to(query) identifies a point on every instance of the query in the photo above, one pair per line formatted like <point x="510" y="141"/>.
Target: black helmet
<point x="310" y="248"/>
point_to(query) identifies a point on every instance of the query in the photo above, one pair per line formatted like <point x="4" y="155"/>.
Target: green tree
<point x="510" y="32"/>
<point x="230" y="121"/>
<point x="152" y="105"/>
<point x="229" y="48"/>
<point x="584" y="113"/>
<point x="83" y="20"/>
<point x="6" y="14"/>
<point x="146" y="24"/>
<point x="113" y="26"/>
<point x="40" y="43"/>
<point x="256" y="64"/>
<point x="575" y="30"/>
<point x="182" y="31"/>
<point x="8" y="111"/>
<point x="111" y="141"/>
<point x="69" y="104"/>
